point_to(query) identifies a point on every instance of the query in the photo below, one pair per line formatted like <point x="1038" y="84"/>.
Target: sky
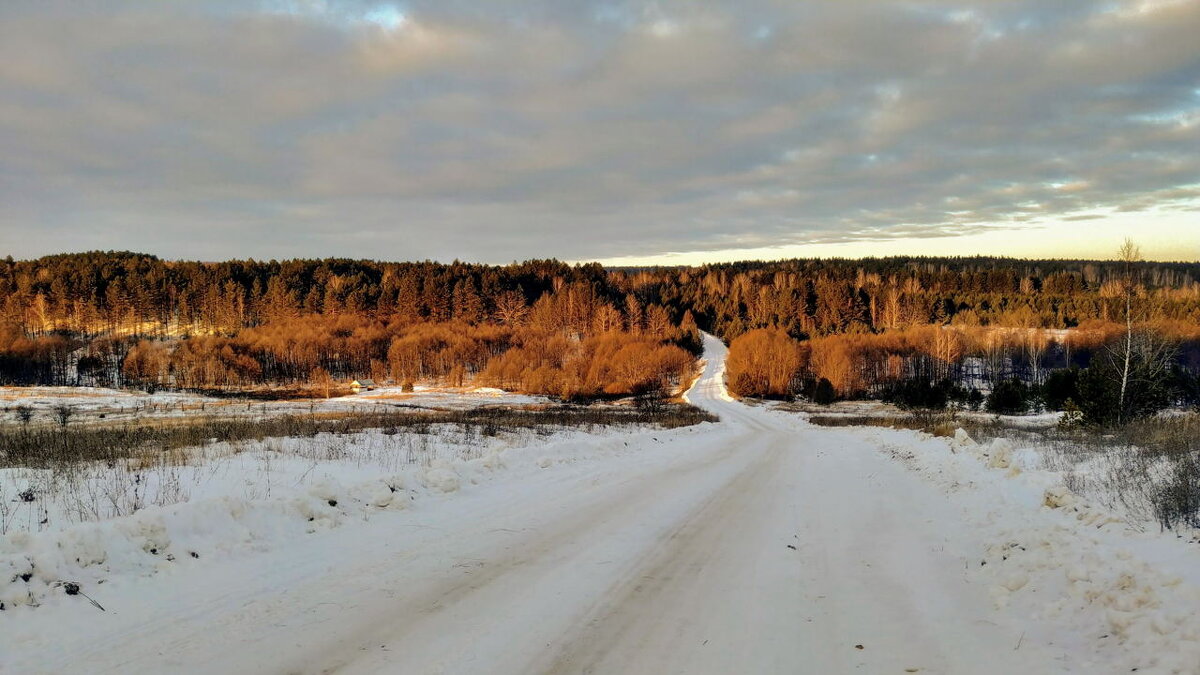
<point x="631" y="132"/>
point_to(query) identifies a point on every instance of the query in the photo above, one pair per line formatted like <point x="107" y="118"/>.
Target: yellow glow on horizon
<point x="1162" y="235"/>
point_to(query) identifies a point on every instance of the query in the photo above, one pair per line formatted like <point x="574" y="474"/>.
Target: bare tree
<point x="948" y="350"/>
<point x="511" y="309"/>
<point x="892" y="307"/>
<point x="993" y="350"/>
<point x="1035" y="344"/>
<point x="63" y="414"/>
<point x="607" y="318"/>
<point x="1129" y="378"/>
<point x="1128" y="254"/>
<point x="323" y="380"/>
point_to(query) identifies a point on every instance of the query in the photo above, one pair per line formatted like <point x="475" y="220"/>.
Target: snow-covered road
<point x="757" y="545"/>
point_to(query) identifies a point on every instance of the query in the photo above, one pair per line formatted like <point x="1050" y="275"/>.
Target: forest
<point x="899" y="328"/>
<point x="123" y="319"/>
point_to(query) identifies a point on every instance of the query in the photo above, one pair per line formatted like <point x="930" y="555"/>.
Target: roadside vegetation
<point x="1148" y="469"/>
<point x="84" y="473"/>
<point x="50" y="446"/>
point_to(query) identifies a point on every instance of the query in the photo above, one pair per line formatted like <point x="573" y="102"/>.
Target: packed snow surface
<point x="759" y="544"/>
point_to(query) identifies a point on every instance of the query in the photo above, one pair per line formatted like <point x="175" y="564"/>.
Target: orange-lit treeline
<point x="769" y="362"/>
<point x="123" y="318"/>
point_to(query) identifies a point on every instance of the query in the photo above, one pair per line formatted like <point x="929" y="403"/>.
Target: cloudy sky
<point x="618" y="130"/>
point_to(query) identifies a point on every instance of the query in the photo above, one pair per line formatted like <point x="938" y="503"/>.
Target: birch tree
<point x="1128" y="254"/>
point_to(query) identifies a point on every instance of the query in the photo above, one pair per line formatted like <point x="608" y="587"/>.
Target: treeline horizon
<point x="1137" y="353"/>
<point x="544" y="326"/>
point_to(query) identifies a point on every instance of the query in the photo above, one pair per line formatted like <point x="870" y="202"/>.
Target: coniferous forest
<point x="915" y="330"/>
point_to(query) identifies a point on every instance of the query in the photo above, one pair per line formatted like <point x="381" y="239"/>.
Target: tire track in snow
<point x="620" y="633"/>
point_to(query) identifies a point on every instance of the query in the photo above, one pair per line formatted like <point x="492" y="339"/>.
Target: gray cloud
<point x="497" y="131"/>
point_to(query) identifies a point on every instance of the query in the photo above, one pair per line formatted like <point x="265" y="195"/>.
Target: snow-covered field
<point x="86" y="403"/>
<point x="50" y="499"/>
<point x="92" y="523"/>
<point x="882" y="410"/>
<point x="95" y="404"/>
<point x="760" y="544"/>
<point x="1131" y="482"/>
<point x="436" y="397"/>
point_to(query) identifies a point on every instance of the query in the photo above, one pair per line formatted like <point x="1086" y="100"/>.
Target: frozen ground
<point x="760" y="544"/>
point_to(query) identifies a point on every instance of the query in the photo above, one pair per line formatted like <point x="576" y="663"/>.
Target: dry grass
<point x="1148" y="469"/>
<point x="149" y="440"/>
<point x="938" y="424"/>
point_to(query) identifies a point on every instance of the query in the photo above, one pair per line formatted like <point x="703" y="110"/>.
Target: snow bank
<point x="1074" y="568"/>
<point x="33" y="565"/>
<point x="999" y="454"/>
<point x="1145" y="615"/>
